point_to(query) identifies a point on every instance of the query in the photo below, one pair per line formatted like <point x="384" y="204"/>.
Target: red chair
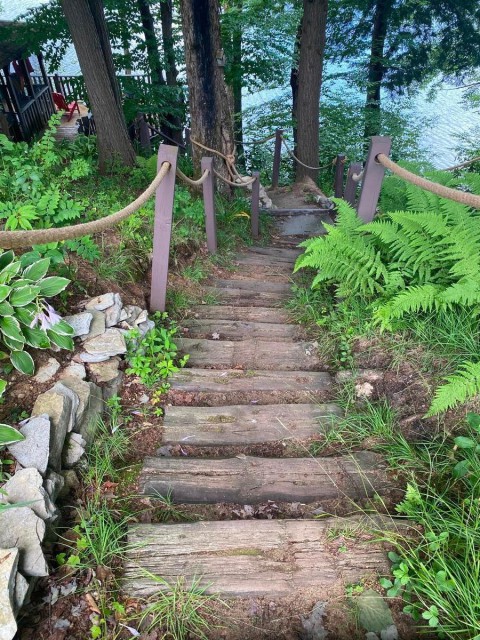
<point x="62" y="105"/>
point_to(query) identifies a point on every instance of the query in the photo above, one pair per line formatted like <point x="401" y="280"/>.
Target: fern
<point x="459" y="387"/>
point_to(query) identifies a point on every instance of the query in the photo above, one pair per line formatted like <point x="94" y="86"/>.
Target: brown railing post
<point x="162" y="228"/>
<point x="255" y="211"/>
<point x="339" y="172"/>
<point x="209" y="204"/>
<point x="277" y="156"/>
<point x="351" y="184"/>
<point x="56" y="82"/>
<point x="372" y="178"/>
<point x="144" y="133"/>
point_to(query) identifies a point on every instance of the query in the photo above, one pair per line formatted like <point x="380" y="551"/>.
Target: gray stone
<point x="21" y="528"/>
<point x="53" y="484"/>
<point x="105" y="371"/>
<point x="112" y="314"/>
<point x="74" y="369"/>
<point x="21" y="591"/>
<point x="146" y="326"/>
<point x="47" y="371"/>
<point x="111" y="343"/>
<point x="98" y="325"/>
<point x="58" y="408"/>
<point x="64" y="390"/>
<point x="142" y="317"/>
<point x="130" y="313"/>
<point x="74" y="450"/>
<point x="89" y="358"/>
<point x="100" y="303"/>
<point x="89" y="425"/>
<point x="35" y="449"/>
<point x="112" y="388"/>
<point x="80" y="323"/>
<point x="371" y="636"/>
<point x="373" y="612"/>
<point x="27" y="486"/>
<point x="82" y="391"/>
<point x="390" y="633"/>
<point x="312" y="625"/>
<point x="71" y="482"/>
<point x="8" y="574"/>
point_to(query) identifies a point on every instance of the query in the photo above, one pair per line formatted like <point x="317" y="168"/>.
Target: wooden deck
<point x="67" y="130"/>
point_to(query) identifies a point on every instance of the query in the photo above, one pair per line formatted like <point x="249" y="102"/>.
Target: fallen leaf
<point x="91" y="603"/>
<point x="215" y="336"/>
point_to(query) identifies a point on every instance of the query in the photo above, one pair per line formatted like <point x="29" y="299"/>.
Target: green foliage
<point x="23" y="307"/>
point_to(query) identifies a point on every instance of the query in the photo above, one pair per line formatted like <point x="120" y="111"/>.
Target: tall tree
<point x="151" y="42"/>
<point x="171" y="72"/>
<point x="87" y="26"/>
<point x="210" y="113"/>
<point x="307" y="83"/>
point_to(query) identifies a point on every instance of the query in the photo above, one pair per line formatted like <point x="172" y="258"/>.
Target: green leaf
<point x="473" y="420"/>
<point x="6" y="258"/>
<point x="52" y="286"/>
<point x="63" y="328"/>
<point x="10" y="327"/>
<point x="37" y="270"/>
<point x="461" y="469"/>
<point x="23" y="362"/>
<point x="4" y="292"/>
<point x="64" y="342"/>
<point x="465" y="443"/>
<point x="36" y="337"/>
<point x="24" y="315"/>
<point x="24" y="295"/>
<point x="3" y="386"/>
<point x="9" y="435"/>
<point x="6" y="309"/>
<point x="14" y="345"/>
<point x="9" y="271"/>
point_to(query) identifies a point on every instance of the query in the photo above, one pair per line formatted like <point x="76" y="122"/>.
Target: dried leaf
<point x="91" y="603"/>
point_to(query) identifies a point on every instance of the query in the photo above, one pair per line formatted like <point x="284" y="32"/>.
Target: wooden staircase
<point x="254" y="397"/>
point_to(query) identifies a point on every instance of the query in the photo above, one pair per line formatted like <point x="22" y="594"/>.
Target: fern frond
<point x="414" y="299"/>
<point x="460" y="387"/>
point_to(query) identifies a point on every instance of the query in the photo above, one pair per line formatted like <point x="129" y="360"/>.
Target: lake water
<point x="448" y="115"/>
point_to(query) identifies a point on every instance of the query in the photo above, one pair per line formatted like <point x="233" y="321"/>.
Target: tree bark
<point x="87" y="26"/>
<point x="151" y="42"/>
<point x="376" y="68"/>
<point x="237" y="83"/>
<point x="310" y="68"/>
<point x="211" y="117"/>
<point x="171" y="72"/>
<point x="294" y="83"/>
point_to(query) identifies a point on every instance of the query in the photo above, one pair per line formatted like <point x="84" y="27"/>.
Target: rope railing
<point x="290" y="152"/>
<point x="245" y="181"/>
<point x="17" y="239"/>
<point x="190" y="181"/>
<point x="469" y="199"/>
<point x="461" y="165"/>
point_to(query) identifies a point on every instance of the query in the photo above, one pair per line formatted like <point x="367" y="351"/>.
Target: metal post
<point x="162" y="228"/>
<point x="144" y="133"/>
<point x="277" y="156"/>
<point x="372" y="178"/>
<point x="255" y="212"/>
<point x="339" y="171"/>
<point x="206" y="164"/>
<point x="351" y="184"/>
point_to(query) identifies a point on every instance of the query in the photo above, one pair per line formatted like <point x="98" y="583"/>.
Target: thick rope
<point x="245" y="182"/>
<point x="468" y="199"/>
<point x="230" y="159"/>
<point x="462" y="164"/>
<point x="193" y="183"/>
<point x="356" y="177"/>
<point x="16" y="239"/>
<point x="290" y="152"/>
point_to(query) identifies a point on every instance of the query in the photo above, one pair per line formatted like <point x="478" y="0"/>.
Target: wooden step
<point x="251" y="558"/>
<point x="247" y="424"/>
<point x="252" y="354"/>
<point x="251" y="480"/>
<point x="251" y="297"/>
<point x="231" y="386"/>
<point x="254" y="263"/>
<point x="276" y="253"/>
<point x="259" y="286"/>
<point x="246" y="314"/>
<point x="237" y="330"/>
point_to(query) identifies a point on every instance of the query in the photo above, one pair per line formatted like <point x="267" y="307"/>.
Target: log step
<point x="231" y="386"/>
<point x="244" y="314"/>
<point x="279" y="254"/>
<point x="237" y="330"/>
<point x="252" y="354"/>
<point x="247" y="424"/>
<point x="250" y="297"/>
<point x="251" y="558"/>
<point x="253" y="284"/>
<point x="252" y="480"/>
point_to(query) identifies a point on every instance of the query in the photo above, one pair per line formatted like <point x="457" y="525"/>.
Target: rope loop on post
<point x="190" y="181"/>
<point x="245" y="181"/>
<point x="290" y="152"/>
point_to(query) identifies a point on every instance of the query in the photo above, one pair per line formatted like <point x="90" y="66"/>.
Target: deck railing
<point x="35" y="114"/>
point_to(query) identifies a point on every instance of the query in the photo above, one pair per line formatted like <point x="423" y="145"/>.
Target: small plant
<point x="109" y="447"/>
<point x="167" y="510"/>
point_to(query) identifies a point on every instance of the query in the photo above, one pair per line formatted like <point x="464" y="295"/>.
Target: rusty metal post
<point x="372" y="178"/>
<point x="351" y="184"/>
<point x="206" y="164"/>
<point x="339" y="172"/>
<point x="255" y="212"/>
<point x="162" y="228"/>
<point x="277" y="156"/>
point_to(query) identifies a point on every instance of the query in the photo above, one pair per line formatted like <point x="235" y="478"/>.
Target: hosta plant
<point x="26" y="318"/>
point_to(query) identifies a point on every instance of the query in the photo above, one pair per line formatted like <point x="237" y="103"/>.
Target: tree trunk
<point x="294" y="83"/>
<point x="376" y="68"/>
<point x="151" y="42"/>
<point x="171" y="72"/>
<point x="211" y="117"/>
<point x="237" y="83"/>
<point x="86" y="22"/>
<point x="310" y="68"/>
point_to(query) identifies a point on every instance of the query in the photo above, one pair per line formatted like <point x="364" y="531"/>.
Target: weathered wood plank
<point x="216" y="388"/>
<point x="247" y="314"/>
<point x="256" y="285"/>
<point x="238" y="330"/>
<point x="252" y="354"/>
<point x="247" y="424"/>
<point x="251" y="480"/>
<point x="247" y="297"/>
<point x="270" y="558"/>
<point x="277" y="253"/>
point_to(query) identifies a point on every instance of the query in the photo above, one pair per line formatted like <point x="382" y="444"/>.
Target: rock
<point x="27" y="486"/>
<point x="87" y="428"/>
<point x="313" y="628"/>
<point x="81" y="389"/>
<point x="71" y="482"/>
<point x="390" y="633"/>
<point x="58" y="408"/>
<point x="111" y="343"/>
<point x="35" y="449"/>
<point x="371" y="636"/>
<point x="142" y="317"/>
<point x="364" y="390"/>
<point x="8" y="574"/>
<point x="105" y="371"/>
<point x="112" y="388"/>
<point x="98" y="325"/>
<point x="144" y="327"/>
<point x="21" y="591"/>
<point x="74" y="369"/>
<point x="100" y="303"/>
<point x="112" y="314"/>
<point x="130" y="313"/>
<point x="373" y="612"/>
<point x="64" y="390"/>
<point x="165" y="451"/>
<point x="53" y="484"/>
<point x="80" y="323"/>
<point x="21" y="528"/>
<point x="47" y="371"/>
<point x="89" y="358"/>
<point x="74" y="450"/>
